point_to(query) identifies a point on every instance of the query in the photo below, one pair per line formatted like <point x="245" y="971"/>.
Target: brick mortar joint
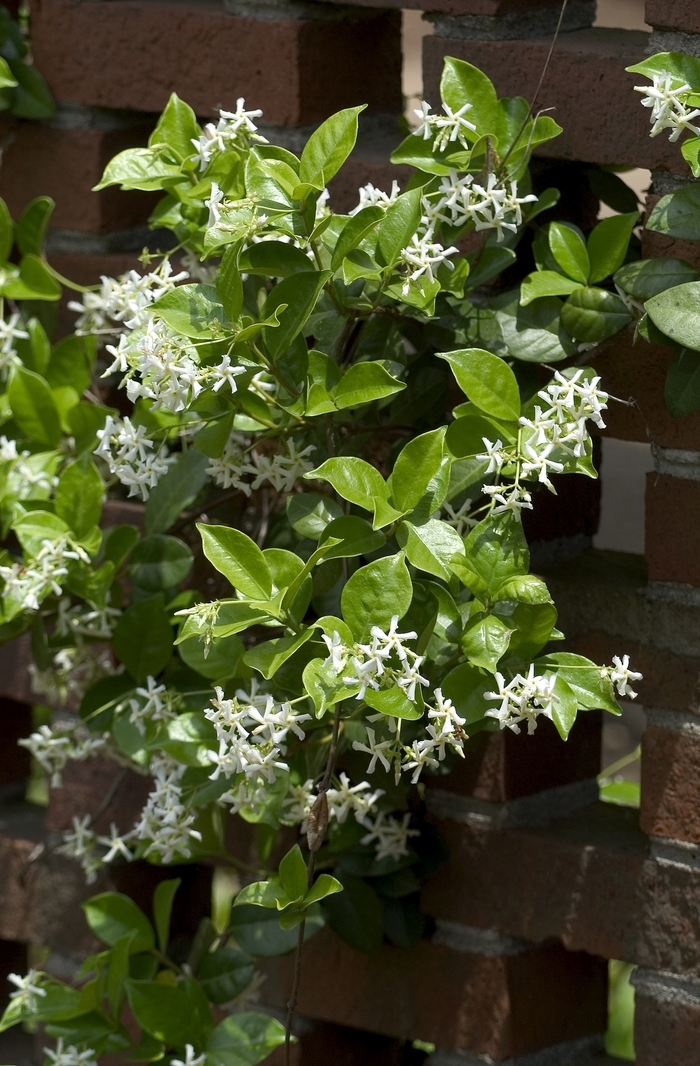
<point x="671" y="40"/>
<point x="513" y="25"/>
<point x="537" y="809"/>
<point x="666" y="987"/>
<point x="676" y="462"/>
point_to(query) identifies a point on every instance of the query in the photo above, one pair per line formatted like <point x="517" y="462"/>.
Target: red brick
<point x="88" y="785"/>
<point x="502" y="766"/>
<point x="660" y="245"/>
<point x="666" y="1030"/>
<point x="672" y="510"/>
<point x="488" y="1005"/>
<point x="133" y="54"/>
<point x="66" y="164"/>
<point x="674" y="14"/>
<point x="586" y="83"/>
<point x="87" y="269"/>
<point x="15" y="658"/>
<point x="670" y="783"/>
<point x="634" y="371"/>
<point x="575" y="508"/>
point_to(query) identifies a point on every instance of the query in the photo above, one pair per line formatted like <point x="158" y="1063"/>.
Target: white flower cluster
<point x="450" y="127"/>
<point x="668" y="110"/>
<point x="124" y="301"/>
<point x="552" y="436"/>
<point x="281" y="470"/>
<point x="10" y="330"/>
<point x="190" y="1058"/>
<point x="382" y="664"/>
<point x="72" y="672"/>
<point x="168" y="371"/>
<point x="82" y="620"/>
<point x="131" y="456"/>
<point x="80" y="844"/>
<point x="28" y="990"/>
<point x="154" y="703"/>
<point x="523" y="699"/>
<point x="29" y="584"/>
<point x="166" y="823"/>
<point x="70" y="1055"/>
<point x="460" y="519"/>
<point x="370" y="196"/>
<point x="234" y="128"/>
<point x="621" y="676"/>
<point x="251" y="729"/>
<point x="28" y="474"/>
<point x="493" y="206"/>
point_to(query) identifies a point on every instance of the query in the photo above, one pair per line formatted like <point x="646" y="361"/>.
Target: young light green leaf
<point x="364" y="383"/>
<point x="177" y="128"/>
<point x="400" y="223"/>
<point x="485" y="640"/>
<point x="328" y="147"/>
<point x="569" y="249"/>
<point x="486" y="380"/>
<point x="461" y="84"/>
<point x="416" y="465"/>
<point x="325" y="885"/>
<point x="354" y="479"/>
<point x="33" y="406"/>
<point x="293" y="874"/>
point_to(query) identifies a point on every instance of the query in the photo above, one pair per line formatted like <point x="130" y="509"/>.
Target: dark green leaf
<point x="375" y="593"/>
<point x="239" y="559"/>
<point x="356" y="914"/>
<point x="225" y="973"/>
<point x="607" y="244"/>
<point x="33" y="406"/>
<point x="648" y="277"/>
<point x="682" y="388"/>
<point x="592" y="315"/>
<point x="176" y="491"/>
<point x="676" y="312"/>
<point x="678" y="214"/>
<point x="111" y="915"/>
<point x="300" y="293"/>
<point x="159" y="562"/>
<point x="143" y="638"/>
<point x="162" y="908"/>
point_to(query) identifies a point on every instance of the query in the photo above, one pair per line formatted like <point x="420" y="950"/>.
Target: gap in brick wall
<point x="621" y="14"/>
<point x="624" y="467"/>
<point x="414" y="29"/>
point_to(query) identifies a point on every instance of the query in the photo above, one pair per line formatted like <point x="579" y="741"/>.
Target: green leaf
<point x="33" y="224"/>
<point x="221" y="658"/>
<point x="259" y="933"/>
<point x="35" y="282"/>
<point x="564" y="707"/>
<point x="111" y="916"/>
<point x="32" y="98"/>
<point x="690" y="150"/>
<point x="309" y="513"/>
<point x="177" y="127"/>
<point x="593" y="315"/>
<point x="143" y="638"/>
<point x="416" y="465"/>
<point x="375" y="593"/>
<point x="465" y="436"/>
<point x="676" y="312"/>
<point x="682" y="388"/>
<point x="354" y="479"/>
<point x="271" y="654"/>
<point x="293" y="874"/>
<point x="395" y="703"/>
<point x="118" y="542"/>
<point x="430" y="546"/>
<point x="7" y="79"/>
<point x="225" y="973"/>
<point x="323" y="886"/>
<point x="176" y="491"/>
<point x="71" y="363"/>
<point x="678" y="214"/>
<point x="648" y="277"/>
<point x="33" y="406"/>
<point x="7" y="235"/>
<point x="534" y="333"/>
<point x="300" y="293"/>
<point x="355" y="537"/>
<point x="245" y="1038"/>
<point x="569" y="249"/>
<point x="195" y="310"/>
<point x="466" y="685"/>
<point x="84" y="420"/>
<point x="485" y="640"/>
<point x="354" y="231"/>
<point x="275" y="259"/>
<point x="79" y="495"/>
<point x="160" y="562"/>
<point x="324" y="686"/>
<point x="229" y="285"/>
<point x="400" y="223"/>
<point x="524" y="588"/>
<point x="496" y="550"/>
<point x="684" y="69"/>
<point x="545" y="283"/>
<point x="364" y="383"/>
<point x="171" y="1013"/>
<point x="356" y="914"/>
<point x="163" y="905"/>
<point x="583" y="676"/>
<point x="118" y="972"/>
<point x="461" y="84"/>
<point x="328" y="147"/>
<point x="138" y="168"/>
<point x="238" y="558"/>
<point x="607" y="244"/>
<point x="486" y="380"/>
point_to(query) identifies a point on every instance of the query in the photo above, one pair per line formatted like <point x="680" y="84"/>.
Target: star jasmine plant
<point x="334" y="424"/>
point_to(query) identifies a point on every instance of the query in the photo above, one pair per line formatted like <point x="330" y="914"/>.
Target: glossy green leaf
<point x="33" y="224"/>
<point x="112" y="915"/>
<point x="354" y="231"/>
<point x="395" y="703"/>
<point x="176" y="491"/>
<point x="244" y="1038"/>
<point x="229" y="284"/>
<point x="486" y="380"/>
<point x="461" y="84"/>
<point x="328" y="147"/>
<point x="495" y="551"/>
<point x="177" y="127"/>
<point x="33" y="406"/>
<point x="584" y="678"/>
<point x="545" y="283"/>
<point x="592" y="315"/>
<point x="416" y="465"/>
<point x="355" y="535"/>
<point x="195" y="310"/>
<point x="356" y="914"/>
<point x="569" y="249"/>
<point x="682" y="386"/>
<point x="143" y="638"/>
<point x="648" y="277"/>
<point x="466" y="686"/>
<point x="676" y="312"/>
<point x="607" y="244"/>
<point x="485" y="640"/>
<point x="275" y="260"/>
<point x="32" y="98"/>
<point x="677" y="214"/>
<point x="300" y="293"/>
<point x="293" y="874"/>
<point x="399" y="224"/>
<point x="259" y="933"/>
<point x="35" y="281"/>
<point x="162" y="909"/>
<point x="71" y="363"/>
<point x="684" y="69"/>
<point x="269" y="656"/>
<point x="7" y="235"/>
<point x="375" y="593"/>
<point x="138" y="168"/>
<point x="564" y="707"/>
<point x="309" y="513"/>
<point x="239" y="559"/>
<point x="168" y="1012"/>
<point x="364" y="383"/>
<point x="534" y="333"/>
<point x="79" y="496"/>
<point x="225" y="973"/>
<point x="159" y="562"/>
<point x="430" y="546"/>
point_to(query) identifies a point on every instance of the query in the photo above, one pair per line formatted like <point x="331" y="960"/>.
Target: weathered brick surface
<point x="666" y="1028"/>
<point x="673" y="14"/>
<point x="672" y="509"/>
<point x="98" y="785"/>
<point x="670" y="775"/>
<point x="65" y="164"/>
<point x="586" y="75"/>
<point x="133" y="54"/>
<point x="635" y="372"/>
<point x="502" y="766"/>
<point x="489" y="1005"/>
